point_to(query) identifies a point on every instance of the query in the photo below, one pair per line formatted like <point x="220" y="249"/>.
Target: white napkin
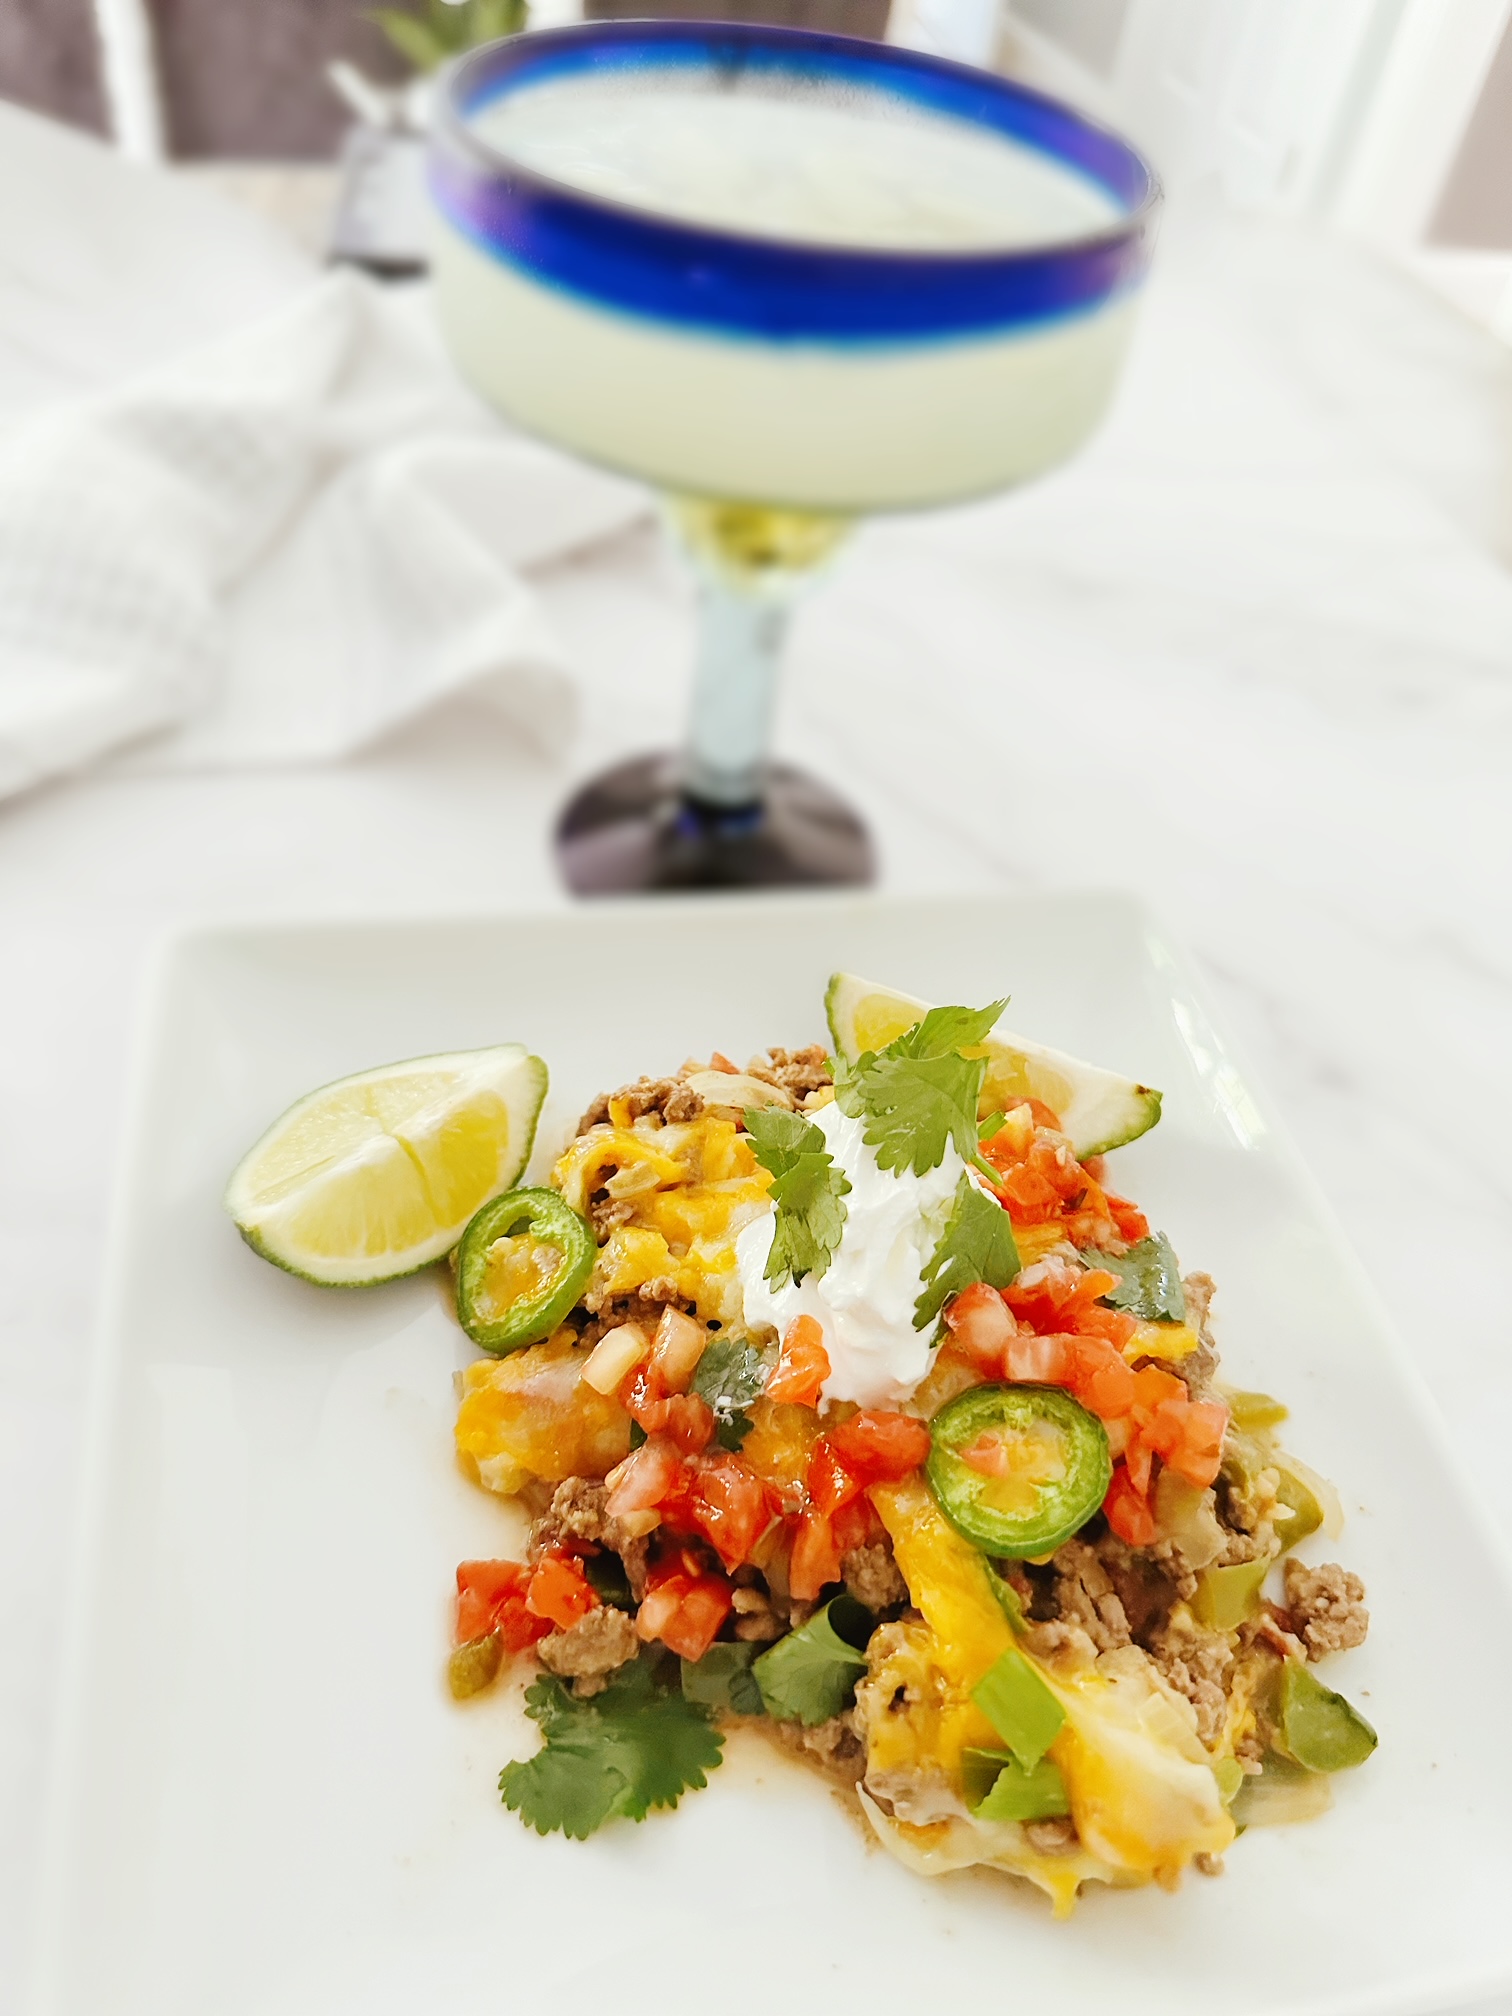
<point x="109" y="267"/>
<point x="279" y="546"/>
<point x="290" y="542"/>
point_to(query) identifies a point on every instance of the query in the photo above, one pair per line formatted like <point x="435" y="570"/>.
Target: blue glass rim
<point x="672" y="271"/>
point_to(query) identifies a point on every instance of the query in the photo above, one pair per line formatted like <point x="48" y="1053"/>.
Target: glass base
<point x="634" y="828"/>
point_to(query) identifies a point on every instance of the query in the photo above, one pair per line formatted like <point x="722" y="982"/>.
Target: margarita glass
<point x="788" y="278"/>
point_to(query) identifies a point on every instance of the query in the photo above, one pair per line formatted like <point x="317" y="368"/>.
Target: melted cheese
<point x="688" y="1190"/>
<point x="1140" y="1785"/>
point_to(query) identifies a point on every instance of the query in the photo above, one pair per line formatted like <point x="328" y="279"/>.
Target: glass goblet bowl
<point x="777" y="357"/>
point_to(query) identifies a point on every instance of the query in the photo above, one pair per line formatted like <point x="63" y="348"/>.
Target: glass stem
<point x="740" y="639"/>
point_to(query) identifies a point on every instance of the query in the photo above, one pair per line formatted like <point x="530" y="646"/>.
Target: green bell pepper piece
<point x="1319" y="1729"/>
<point x="1255" y="1412"/>
<point x="1020" y="1707"/>
<point x="1299" y="1513"/>
<point x="1226" y="1596"/>
<point x="561" y="1253"/>
<point x="1048" y="1425"/>
<point x="1017" y="1794"/>
<point x="474" y="1666"/>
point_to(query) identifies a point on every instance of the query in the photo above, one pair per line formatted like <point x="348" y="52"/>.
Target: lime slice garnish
<point x="1098" y="1109"/>
<point x="378" y="1174"/>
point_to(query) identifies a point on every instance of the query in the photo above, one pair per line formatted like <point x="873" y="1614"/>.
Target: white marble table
<point x="1252" y="658"/>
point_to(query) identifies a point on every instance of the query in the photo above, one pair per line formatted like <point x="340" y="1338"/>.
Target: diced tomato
<point x="1128" y="1510"/>
<point x="857" y="1525"/>
<point x="731" y="1506"/>
<point x="491" y="1597"/>
<point x="559" y="1592"/>
<point x="802" y="1365"/>
<point x="1139" y="1461"/>
<point x="1198" y="1452"/>
<point x="684" y="1608"/>
<point x="1029" y="1195"/>
<point x="1103" y="1383"/>
<point x="981" y="1327"/>
<point x="987" y="1455"/>
<point x="690" y="1422"/>
<point x="1131" y="1222"/>
<point x="879" y="1447"/>
<point x="1152" y="1389"/>
<point x="815" y="1558"/>
<point x="1040" y="1361"/>
<point x="642" y="1481"/>
<point x="830" y="1483"/>
<point x="644" y="1397"/>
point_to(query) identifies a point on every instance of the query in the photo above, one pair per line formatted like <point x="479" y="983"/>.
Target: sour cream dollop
<point x="864" y="1300"/>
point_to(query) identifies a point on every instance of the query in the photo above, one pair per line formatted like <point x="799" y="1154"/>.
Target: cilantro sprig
<point x="638" y="1744"/>
<point x="811" y="1674"/>
<point x="976" y="1245"/>
<point x="1149" y="1280"/>
<point x="729" y="1376"/>
<point x="919" y="1094"/>
<point x="809" y="1193"/>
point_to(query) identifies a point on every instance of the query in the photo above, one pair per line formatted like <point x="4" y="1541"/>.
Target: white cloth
<point x="110" y="267"/>
<point x="279" y="546"/>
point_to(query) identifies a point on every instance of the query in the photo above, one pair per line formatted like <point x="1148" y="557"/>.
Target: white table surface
<point x="1252" y="657"/>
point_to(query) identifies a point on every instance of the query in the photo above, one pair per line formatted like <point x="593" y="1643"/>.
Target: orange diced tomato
<point x="987" y="1455"/>
<point x="981" y="1327"/>
<point x="1198" y="1453"/>
<point x="683" y="1607"/>
<point x="830" y="1484"/>
<point x="1128" y="1510"/>
<point x="1130" y="1221"/>
<point x="802" y="1365"/>
<point x="880" y="1447"/>
<point x="690" y="1422"/>
<point x="642" y="1481"/>
<point x="815" y="1557"/>
<point x="731" y="1506"/>
<point x="491" y="1597"/>
<point x="559" y="1592"/>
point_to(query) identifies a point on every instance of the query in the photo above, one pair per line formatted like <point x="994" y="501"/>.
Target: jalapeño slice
<point x="1018" y="1469"/>
<point x="521" y="1266"/>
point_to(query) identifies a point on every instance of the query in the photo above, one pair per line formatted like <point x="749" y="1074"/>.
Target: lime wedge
<point x="1098" y="1109"/>
<point x="378" y="1174"/>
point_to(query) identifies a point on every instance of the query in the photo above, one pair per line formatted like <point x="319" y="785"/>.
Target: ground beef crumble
<point x="835" y="1746"/>
<point x="1196" y="1664"/>
<point x="796" y="1071"/>
<point x="1326" y="1607"/>
<point x="593" y="1648"/>
<point x="873" y="1577"/>
<point x="673" y="1098"/>
<point x="577" y="1513"/>
<point x="1083" y="1594"/>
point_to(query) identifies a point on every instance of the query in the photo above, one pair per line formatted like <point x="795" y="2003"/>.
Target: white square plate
<point x="267" y="1804"/>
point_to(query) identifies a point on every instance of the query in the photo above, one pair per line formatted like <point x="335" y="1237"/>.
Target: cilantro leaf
<point x="976" y="1245"/>
<point x="811" y="1674"/>
<point x="809" y="1193"/>
<point x="920" y="1094"/>
<point x="722" y="1679"/>
<point x="730" y="1374"/>
<point x="638" y="1744"/>
<point x="1149" y="1280"/>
